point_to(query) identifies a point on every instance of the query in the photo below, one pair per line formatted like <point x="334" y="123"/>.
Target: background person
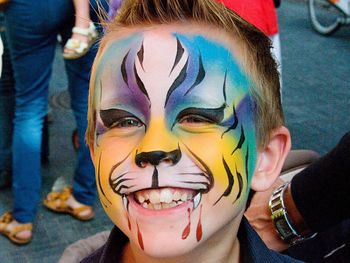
<point x="32" y="40"/>
<point x="317" y="201"/>
<point x="7" y="106"/>
<point x="84" y="32"/>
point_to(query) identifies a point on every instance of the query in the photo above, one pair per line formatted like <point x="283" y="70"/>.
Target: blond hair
<point x="257" y="60"/>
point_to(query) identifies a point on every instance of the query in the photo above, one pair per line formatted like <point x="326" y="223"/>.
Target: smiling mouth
<point x="164" y="198"/>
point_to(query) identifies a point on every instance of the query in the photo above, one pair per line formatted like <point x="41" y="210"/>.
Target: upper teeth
<point x="163" y="198"/>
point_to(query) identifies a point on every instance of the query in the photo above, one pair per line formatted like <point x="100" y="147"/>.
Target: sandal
<point x="57" y="202"/>
<point x="77" y="47"/>
<point x="5" y="220"/>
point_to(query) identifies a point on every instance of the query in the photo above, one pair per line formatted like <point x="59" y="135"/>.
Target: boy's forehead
<point x="158" y="37"/>
<point x="190" y="63"/>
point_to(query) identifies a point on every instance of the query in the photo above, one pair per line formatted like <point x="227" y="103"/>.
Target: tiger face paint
<point x="175" y="143"/>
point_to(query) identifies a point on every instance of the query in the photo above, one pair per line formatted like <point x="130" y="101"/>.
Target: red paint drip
<point x="187" y="229"/>
<point x="139" y="237"/>
<point x="199" y="231"/>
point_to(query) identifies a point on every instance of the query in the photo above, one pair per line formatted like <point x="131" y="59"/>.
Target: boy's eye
<point x="116" y="118"/>
<point x="127" y="123"/>
<point x="195" y="120"/>
<point x="200" y="116"/>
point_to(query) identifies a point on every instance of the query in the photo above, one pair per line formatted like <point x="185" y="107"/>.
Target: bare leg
<point x="82" y="13"/>
<point x="82" y="20"/>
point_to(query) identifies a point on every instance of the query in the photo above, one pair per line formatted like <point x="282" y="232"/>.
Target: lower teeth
<point x="160" y="206"/>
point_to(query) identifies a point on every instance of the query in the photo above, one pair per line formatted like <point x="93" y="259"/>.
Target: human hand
<point x="259" y="216"/>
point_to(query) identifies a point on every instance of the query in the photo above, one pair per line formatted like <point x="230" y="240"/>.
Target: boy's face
<point x="175" y="143"/>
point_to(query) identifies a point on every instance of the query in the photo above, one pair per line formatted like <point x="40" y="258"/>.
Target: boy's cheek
<point x="107" y="155"/>
<point x="104" y="159"/>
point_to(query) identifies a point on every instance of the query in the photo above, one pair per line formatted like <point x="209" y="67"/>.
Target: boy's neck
<point x="222" y="248"/>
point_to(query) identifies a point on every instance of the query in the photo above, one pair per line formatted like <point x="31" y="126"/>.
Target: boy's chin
<point x="165" y="246"/>
<point x="177" y="231"/>
<point x="176" y="240"/>
<point x="168" y="239"/>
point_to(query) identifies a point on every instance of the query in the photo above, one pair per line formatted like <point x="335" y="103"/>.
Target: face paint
<point x="175" y="141"/>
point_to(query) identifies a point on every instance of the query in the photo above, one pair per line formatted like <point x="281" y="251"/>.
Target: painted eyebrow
<point x="216" y="115"/>
<point x="110" y="116"/>
<point x="182" y="77"/>
<point x="136" y="74"/>
<point x="179" y="52"/>
<point x="177" y="82"/>
<point x="140" y="55"/>
<point x="200" y="75"/>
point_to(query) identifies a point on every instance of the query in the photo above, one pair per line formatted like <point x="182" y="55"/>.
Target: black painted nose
<point x="155" y="157"/>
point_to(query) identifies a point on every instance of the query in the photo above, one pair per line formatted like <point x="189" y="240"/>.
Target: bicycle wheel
<point x="325" y="17"/>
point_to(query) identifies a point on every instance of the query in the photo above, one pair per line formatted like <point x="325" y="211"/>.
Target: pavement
<point x="315" y="79"/>
<point x="315" y="99"/>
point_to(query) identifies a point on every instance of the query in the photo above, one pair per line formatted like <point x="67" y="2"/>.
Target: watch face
<point x="283" y="229"/>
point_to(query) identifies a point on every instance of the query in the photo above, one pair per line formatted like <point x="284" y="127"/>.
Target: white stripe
<point x="334" y="250"/>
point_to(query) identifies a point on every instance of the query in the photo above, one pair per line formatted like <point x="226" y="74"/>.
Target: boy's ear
<point x="271" y="159"/>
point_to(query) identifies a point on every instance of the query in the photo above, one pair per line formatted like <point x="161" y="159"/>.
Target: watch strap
<point x="287" y="220"/>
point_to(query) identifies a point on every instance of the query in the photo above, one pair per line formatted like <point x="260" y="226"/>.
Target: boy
<point x="184" y="118"/>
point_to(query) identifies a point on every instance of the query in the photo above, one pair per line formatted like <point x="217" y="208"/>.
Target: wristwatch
<point x="291" y="231"/>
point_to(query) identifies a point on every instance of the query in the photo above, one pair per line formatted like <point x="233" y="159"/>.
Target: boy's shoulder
<point x="252" y="249"/>
<point x="111" y="251"/>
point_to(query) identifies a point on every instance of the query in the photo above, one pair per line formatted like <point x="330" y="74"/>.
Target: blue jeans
<point x="7" y="108"/>
<point x="7" y="105"/>
<point x="32" y="29"/>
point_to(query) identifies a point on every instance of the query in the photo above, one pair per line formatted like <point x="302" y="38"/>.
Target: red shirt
<point x="260" y="13"/>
